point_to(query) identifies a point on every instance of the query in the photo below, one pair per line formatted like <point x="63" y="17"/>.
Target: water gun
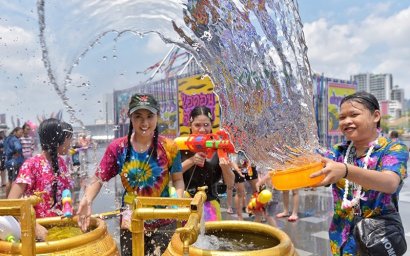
<point x="67" y="203"/>
<point x="259" y="200"/>
<point x="74" y="150"/>
<point x="10" y="230"/>
<point x="173" y="194"/>
<point x="207" y="143"/>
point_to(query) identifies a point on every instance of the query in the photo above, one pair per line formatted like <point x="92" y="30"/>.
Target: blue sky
<point x="343" y="38"/>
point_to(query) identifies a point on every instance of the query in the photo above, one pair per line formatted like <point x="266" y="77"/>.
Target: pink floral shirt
<point x="38" y="174"/>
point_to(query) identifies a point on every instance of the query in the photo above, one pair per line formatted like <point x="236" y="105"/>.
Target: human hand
<point x="84" y="214"/>
<point x="333" y="172"/>
<point x="240" y="173"/>
<point x="259" y="184"/>
<point x="199" y="159"/>
<point x="225" y="163"/>
<point x="41" y="232"/>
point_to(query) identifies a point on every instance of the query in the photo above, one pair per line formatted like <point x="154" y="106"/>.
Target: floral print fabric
<point x="38" y="174"/>
<point x="386" y="156"/>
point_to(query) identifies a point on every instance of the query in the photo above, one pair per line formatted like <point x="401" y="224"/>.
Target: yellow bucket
<point x="95" y="242"/>
<point x="298" y="177"/>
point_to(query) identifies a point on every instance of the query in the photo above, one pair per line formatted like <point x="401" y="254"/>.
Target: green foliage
<point x="384" y="123"/>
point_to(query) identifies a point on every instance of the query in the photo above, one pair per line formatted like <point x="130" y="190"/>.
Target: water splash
<point x="254" y="51"/>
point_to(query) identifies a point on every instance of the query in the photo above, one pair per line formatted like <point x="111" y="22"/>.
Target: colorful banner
<point x="196" y="91"/>
<point x="336" y="92"/>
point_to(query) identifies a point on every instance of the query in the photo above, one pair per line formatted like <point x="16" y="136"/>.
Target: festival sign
<point x="196" y="91"/>
<point x="336" y="92"/>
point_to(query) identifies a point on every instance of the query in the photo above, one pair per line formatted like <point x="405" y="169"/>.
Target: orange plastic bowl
<point x="298" y="177"/>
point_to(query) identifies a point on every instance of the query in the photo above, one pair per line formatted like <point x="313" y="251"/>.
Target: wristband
<point x="346" y="171"/>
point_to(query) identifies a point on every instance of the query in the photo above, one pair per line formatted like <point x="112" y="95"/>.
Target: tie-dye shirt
<point x="386" y="156"/>
<point x="142" y="174"/>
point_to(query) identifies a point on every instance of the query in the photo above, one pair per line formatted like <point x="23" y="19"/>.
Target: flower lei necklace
<point x="357" y="195"/>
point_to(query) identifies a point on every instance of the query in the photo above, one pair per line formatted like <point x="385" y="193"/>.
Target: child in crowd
<point x="27" y="141"/>
<point x="13" y="152"/>
<point x="270" y="207"/>
<point x="46" y="172"/>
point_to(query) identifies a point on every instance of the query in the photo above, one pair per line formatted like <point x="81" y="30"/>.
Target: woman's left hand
<point x="333" y="172"/>
<point x="225" y="163"/>
<point x="228" y="175"/>
<point x="41" y="232"/>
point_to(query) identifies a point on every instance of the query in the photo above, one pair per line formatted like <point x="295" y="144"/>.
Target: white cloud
<point x="331" y="49"/>
<point x="155" y="45"/>
<point x="376" y="44"/>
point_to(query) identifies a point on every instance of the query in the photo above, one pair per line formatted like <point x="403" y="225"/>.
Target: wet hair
<point x="366" y="99"/>
<point x="394" y="134"/>
<point x="52" y="134"/>
<point x="153" y="149"/>
<point x="200" y="110"/>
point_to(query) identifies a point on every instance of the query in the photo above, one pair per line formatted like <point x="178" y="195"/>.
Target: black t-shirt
<point x="208" y="175"/>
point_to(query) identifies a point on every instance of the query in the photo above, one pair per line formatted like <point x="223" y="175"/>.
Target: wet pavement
<point x="308" y="234"/>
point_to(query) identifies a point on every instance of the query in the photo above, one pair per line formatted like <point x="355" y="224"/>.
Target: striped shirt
<point x="28" y="146"/>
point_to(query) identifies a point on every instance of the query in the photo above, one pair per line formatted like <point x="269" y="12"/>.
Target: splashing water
<point x="254" y="51"/>
<point x="235" y="241"/>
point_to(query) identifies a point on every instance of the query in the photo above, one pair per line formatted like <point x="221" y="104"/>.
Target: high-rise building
<point x="397" y="106"/>
<point x="398" y="94"/>
<point x="380" y="85"/>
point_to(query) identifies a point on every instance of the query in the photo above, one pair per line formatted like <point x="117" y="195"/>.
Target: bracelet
<point x="346" y="171"/>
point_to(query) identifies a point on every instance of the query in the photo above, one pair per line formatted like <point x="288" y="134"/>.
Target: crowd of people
<point x="148" y="164"/>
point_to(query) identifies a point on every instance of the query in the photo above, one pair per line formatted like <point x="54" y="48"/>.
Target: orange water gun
<point x="207" y="143"/>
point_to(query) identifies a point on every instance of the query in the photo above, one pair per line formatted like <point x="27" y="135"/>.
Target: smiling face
<point x="144" y="122"/>
<point x="201" y="125"/>
<point x="357" y="123"/>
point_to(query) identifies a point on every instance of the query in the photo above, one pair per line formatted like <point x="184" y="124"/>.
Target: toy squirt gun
<point x="67" y="203"/>
<point x="259" y="200"/>
<point x="207" y="143"/>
